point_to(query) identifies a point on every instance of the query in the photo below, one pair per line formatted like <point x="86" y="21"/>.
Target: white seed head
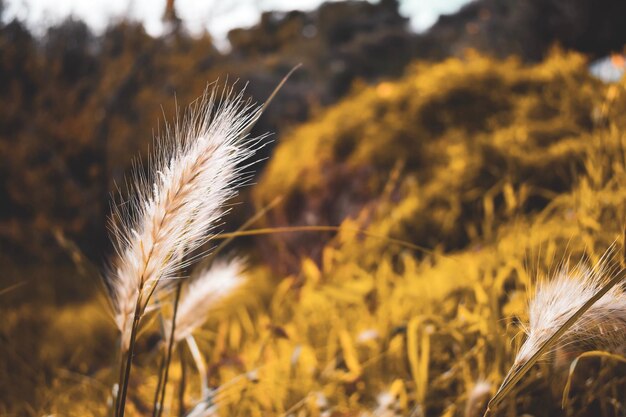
<point x="196" y="169"/>
<point x="205" y="293"/>
<point x="603" y="326"/>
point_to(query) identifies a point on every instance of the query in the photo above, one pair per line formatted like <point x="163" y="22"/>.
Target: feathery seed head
<point x="555" y="301"/>
<point x="196" y="169"/>
<point x="205" y="293"/>
<point x="580" y="308"/>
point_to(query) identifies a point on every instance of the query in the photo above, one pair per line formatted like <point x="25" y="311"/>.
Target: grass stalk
<point x="157" y="391"/>
<point x="200" y="365"/>
<point x="292" y="229"/>
<point x="170" y="346"/>
<point x="206" y="262"/>
<point x="129" y="359"/>
<point x="115" y="402"/>
<point x="519" y="371"/>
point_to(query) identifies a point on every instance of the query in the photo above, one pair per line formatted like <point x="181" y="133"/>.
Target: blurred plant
<point x="203" y="295"/>
<point x="484" y="164"/>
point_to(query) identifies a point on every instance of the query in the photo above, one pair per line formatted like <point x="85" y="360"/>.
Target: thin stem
<point x="291" y="229"/>
<point x="197" y="358"/>
<point x="170" y="346"/>
<point x="203" y="264"/>
<point x="13" y="287"/>
<point x="116" y="401"/>
<point x="251" y="124"/>
<point x="157" y="391"/>
<point x="129" y="359"/>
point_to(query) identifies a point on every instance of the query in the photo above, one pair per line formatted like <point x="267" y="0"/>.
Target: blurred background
<point x="86" y="85"/>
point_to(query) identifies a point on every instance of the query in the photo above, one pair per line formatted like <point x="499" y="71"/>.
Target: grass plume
<point x="579" y="308"/>
<point x="205" y="292"/>
<point x="195" y="170"/>
<point x="602" y="326"/>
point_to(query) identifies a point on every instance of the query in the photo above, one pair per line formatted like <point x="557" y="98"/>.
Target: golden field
<point x="453" y="188"/>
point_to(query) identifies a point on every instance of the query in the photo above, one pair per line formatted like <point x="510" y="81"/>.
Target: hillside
<point x="497" y="169"/>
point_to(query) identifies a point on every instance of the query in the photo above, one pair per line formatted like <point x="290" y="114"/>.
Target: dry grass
<point x="535" y="173"/>
<point x="172" y="209"/>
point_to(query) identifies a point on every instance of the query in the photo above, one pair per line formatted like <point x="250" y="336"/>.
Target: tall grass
<point x="580" y="308"/>
<point x="358" y="313"/>
<point x="195" y="169"/>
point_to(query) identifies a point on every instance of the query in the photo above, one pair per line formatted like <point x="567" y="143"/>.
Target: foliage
<point x="74" y="107"/>
<point x="498" y="169"/>
<point x="477" y="142"/>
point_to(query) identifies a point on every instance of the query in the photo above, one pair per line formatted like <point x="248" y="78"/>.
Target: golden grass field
<point x="496" y="170"/>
